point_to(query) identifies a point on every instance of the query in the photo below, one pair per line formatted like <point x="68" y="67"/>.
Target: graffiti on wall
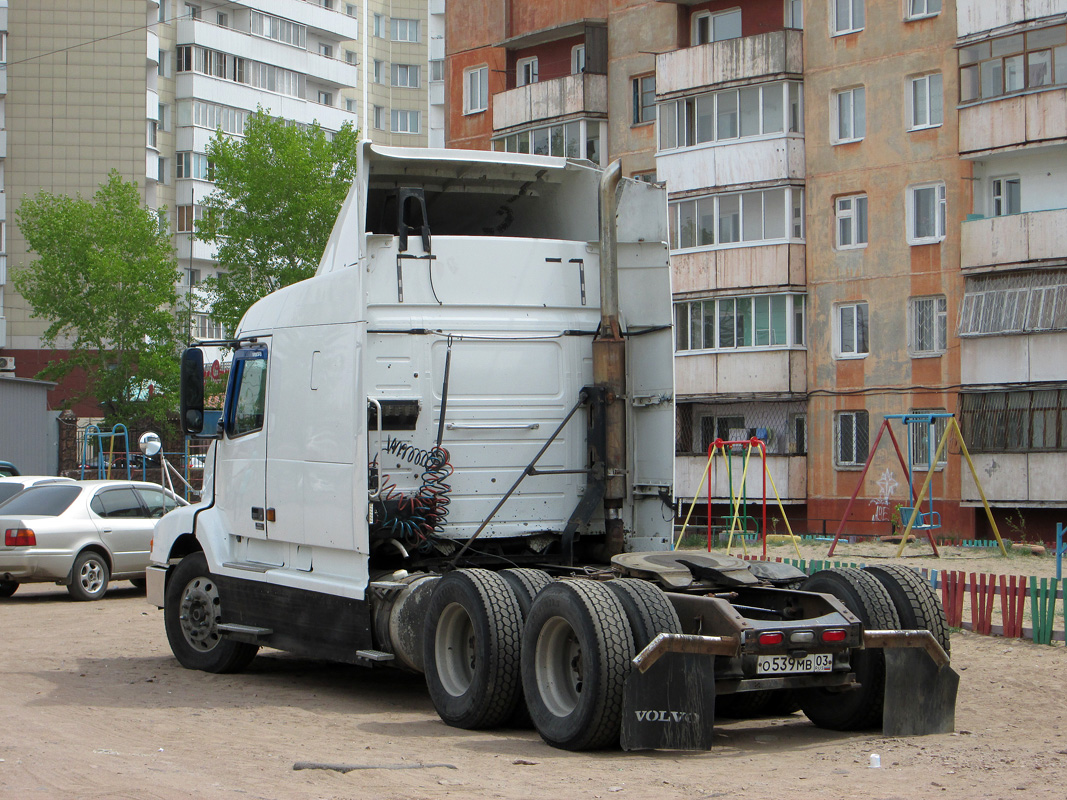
<point x="887" y="484"/>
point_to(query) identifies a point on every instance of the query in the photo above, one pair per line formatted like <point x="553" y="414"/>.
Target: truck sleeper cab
<point x="440" y="451"/>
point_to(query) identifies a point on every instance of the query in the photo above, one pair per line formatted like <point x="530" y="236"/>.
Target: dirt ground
<point x="95" y="706"/>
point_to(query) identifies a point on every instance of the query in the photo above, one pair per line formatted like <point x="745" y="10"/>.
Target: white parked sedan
<point x="80" y="534"/>
<point x="9" y="487"/>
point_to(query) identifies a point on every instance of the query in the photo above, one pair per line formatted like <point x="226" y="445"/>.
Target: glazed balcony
<point x="1036" y="119"/>
<point x="571" y="95"/>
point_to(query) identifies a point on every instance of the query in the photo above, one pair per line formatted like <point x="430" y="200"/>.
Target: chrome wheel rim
<point x="200" y="614"/>
<point x="91" y="576"/>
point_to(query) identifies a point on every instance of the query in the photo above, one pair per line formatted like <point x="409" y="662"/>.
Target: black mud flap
<point x="920" y="696"/>
<point x="671" y="706"/>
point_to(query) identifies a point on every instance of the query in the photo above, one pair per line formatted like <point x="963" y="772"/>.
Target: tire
<point x="917" y="604"/>
<point x="471" y="642"/>
<point x="647" y="608"/>
<point x="525" y="583"/>
<point x="576" y="654"/>
<point x="8" y="588"/>
<point x="859" y="708"/>
<point x="88" y="576"/>
<point x="139" y="583"/>
<point x="192" y="611"/>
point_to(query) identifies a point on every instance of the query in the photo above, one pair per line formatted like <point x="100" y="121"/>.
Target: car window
<point x="9" y="490"/>
<point x="46" y="501"/>
<point x="158" y="501"/>
<point x="118" y="504"/>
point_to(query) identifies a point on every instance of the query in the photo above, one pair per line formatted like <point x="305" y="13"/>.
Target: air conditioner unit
<point x="7" y="363"/>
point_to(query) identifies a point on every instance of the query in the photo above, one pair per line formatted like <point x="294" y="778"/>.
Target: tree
<point x="277" y="194"/>
<point x="105" y="279"/>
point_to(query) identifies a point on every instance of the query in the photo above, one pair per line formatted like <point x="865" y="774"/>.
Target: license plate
<point x="785" y="665"/>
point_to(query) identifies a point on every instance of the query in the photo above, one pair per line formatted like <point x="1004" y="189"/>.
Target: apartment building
<point x="141" y="86"/>
<point x="1012" y="77"/>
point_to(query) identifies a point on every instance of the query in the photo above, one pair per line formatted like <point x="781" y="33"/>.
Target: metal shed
<point x="29" y="437"/>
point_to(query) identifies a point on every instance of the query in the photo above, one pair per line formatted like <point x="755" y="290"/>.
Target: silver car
<point x="80" y="534"/>
<point x="9" y="487"/>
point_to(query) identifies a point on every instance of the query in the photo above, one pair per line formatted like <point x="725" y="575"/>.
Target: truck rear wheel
<point x="647" y="608"/>
<point x="471" y="649"/>
<point x="192" y="611"/>
<point x="576" y="654"/>
<point x="859" y="708"/>
<point x="525" y="583"/>
<point x="8" y="588"/>
<point x="917" y="604"/>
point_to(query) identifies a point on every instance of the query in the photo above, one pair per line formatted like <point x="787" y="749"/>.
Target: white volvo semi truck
<point x="451" y="451"/>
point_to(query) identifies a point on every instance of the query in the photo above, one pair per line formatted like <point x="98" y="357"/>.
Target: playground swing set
<point x="918" y="519"/>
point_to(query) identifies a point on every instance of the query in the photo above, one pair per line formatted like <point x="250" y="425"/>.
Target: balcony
<point x="745" y="372"/>
<point x="3" y="79"/>
<point x="976" y="16"/>
<point x="746" y="59"/>
<point x="153" y="48"/>
<point x="732" y="163"/>
<point x="1039" y="118"/>
<point x="790" y="475"/>
<point x="738" y="268"/>
<point x="1038" y="357"/>
<point x="1013" y="479"/>
<point x="1017" y="239"/>
<point x="3" y="148"/>
<point x="547" y="100"/>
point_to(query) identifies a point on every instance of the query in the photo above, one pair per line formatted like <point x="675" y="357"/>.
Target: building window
<point x="351" y="105"/>
<point x="161" y="63"/>
<point x="644" y="177"/>
<point x="164" y="117"/>
<point x="850" y="115"/>
<point x="326" y="50"/>
<point x="928" y="325"/>
<point x="379" y="118"/>
<point x="161" y="170"/>
<point x="192" y="11"/>
<point x="578" y="59"/>
<point x="194" y="165"/>
<point x="475" y="89"/>
<point x="574" y="139"/>
<point x="153" y="129"/>
<point x="706" y="27"/>
<point x="223" y="20"/>
<point x="1018" y="421"/>
<point x="847" y="16"/>
<point x="351" y="57"/>
<point x="206" y="329"/>
<point x="526" y="71"/>
<point x="404" y="121"/>
<point x="1015" y="302"/>
<point x="380" y="26"/>
<point x="212" y="116"/>
<point x="437" y="69"/>
<point x="744" y="218"/>
<point x="644" y="96"/>
<point x="925" y="110"/>
<point x="187" y="216"/>
<point x="851" y="214"/>
<point x="278" y="29"/>
<point x="763" y="321"/>
<point x="379" y="70"/>
<point x="924" y="439"/>
<point x="326" y="98"/>
<point x="1006" y="197"/>
<point x="768" y="109"/>
<point x="918" y="9"/>
<point x="404" y="30"/>
<point x="852" y="330"/>
<point x="800" y="435"/>
<point x="926" y="213"/>
<point x="350" y="9"/>
<point x="405" y="75"/>
<point x="1013" y="63"/>
<point x="794" y="14"/>
<point x="852" y="432"/>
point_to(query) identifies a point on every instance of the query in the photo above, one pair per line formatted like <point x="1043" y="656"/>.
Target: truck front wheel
<point x="192" y="611"/>
<point x="471" y="649"/>
<point x="576" y="654"/>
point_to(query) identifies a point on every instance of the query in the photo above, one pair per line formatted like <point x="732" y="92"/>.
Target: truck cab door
<point x="242" y="454"/>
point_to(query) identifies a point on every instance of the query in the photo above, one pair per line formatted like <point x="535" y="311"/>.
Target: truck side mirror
<point x="191" y="403"/>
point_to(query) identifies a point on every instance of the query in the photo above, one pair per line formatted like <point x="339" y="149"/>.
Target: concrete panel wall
<point x="1013" y="359"/>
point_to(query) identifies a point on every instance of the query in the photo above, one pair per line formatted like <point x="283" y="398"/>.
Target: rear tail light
<point x="771" y="638"/>
<point x="834" y="636"/>
<point x="19" y="537"/>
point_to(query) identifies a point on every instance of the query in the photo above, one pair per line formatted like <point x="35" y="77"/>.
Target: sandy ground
<point x="96" y="707"/>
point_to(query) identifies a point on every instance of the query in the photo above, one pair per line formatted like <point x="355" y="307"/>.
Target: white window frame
<point x="840" y="351"/>
<point x="379" y="69"/>
<point x="526" y="71"/>
<point x="639" y="91"/>
<point x="841" y="27"/>
<point x="325" y="98"/>
<point x="858" y="459"/>
<point x="794" y="14"/>
<point x="380" y="116"/>
<point x="847" y="212"/>
<point x="1000" y="202"/>
<point x="690" y="327"/>
<point x="405" y="76"/>
<point x="404" y="30"/>
<point x="325" y="49"/>
<point x="696" y="20"/>
<point x="400" y="121"/>
<point x="839" y="98"/>
<point x="712" y="208"/>
<point x="940" y="212"/>
<point x="935" y="309"/>
<point x="578" y="59"/>
<point x="932" y="110"/>
<point x="921" y="9"/>
<point x="476" y="96"/>
<point x="381" y="26"/>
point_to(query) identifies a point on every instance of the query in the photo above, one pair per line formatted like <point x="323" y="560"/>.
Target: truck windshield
<point x="44" y="501"/>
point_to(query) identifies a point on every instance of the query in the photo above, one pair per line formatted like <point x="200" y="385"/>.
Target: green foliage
<point x="277" y="194"/>
<point x="105" y="280"/>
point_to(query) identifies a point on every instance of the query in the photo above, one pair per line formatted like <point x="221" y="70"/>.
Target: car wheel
<point x="192" y="611"/>
<point x="8" y="588"/>
<point x="88" y="576"/>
